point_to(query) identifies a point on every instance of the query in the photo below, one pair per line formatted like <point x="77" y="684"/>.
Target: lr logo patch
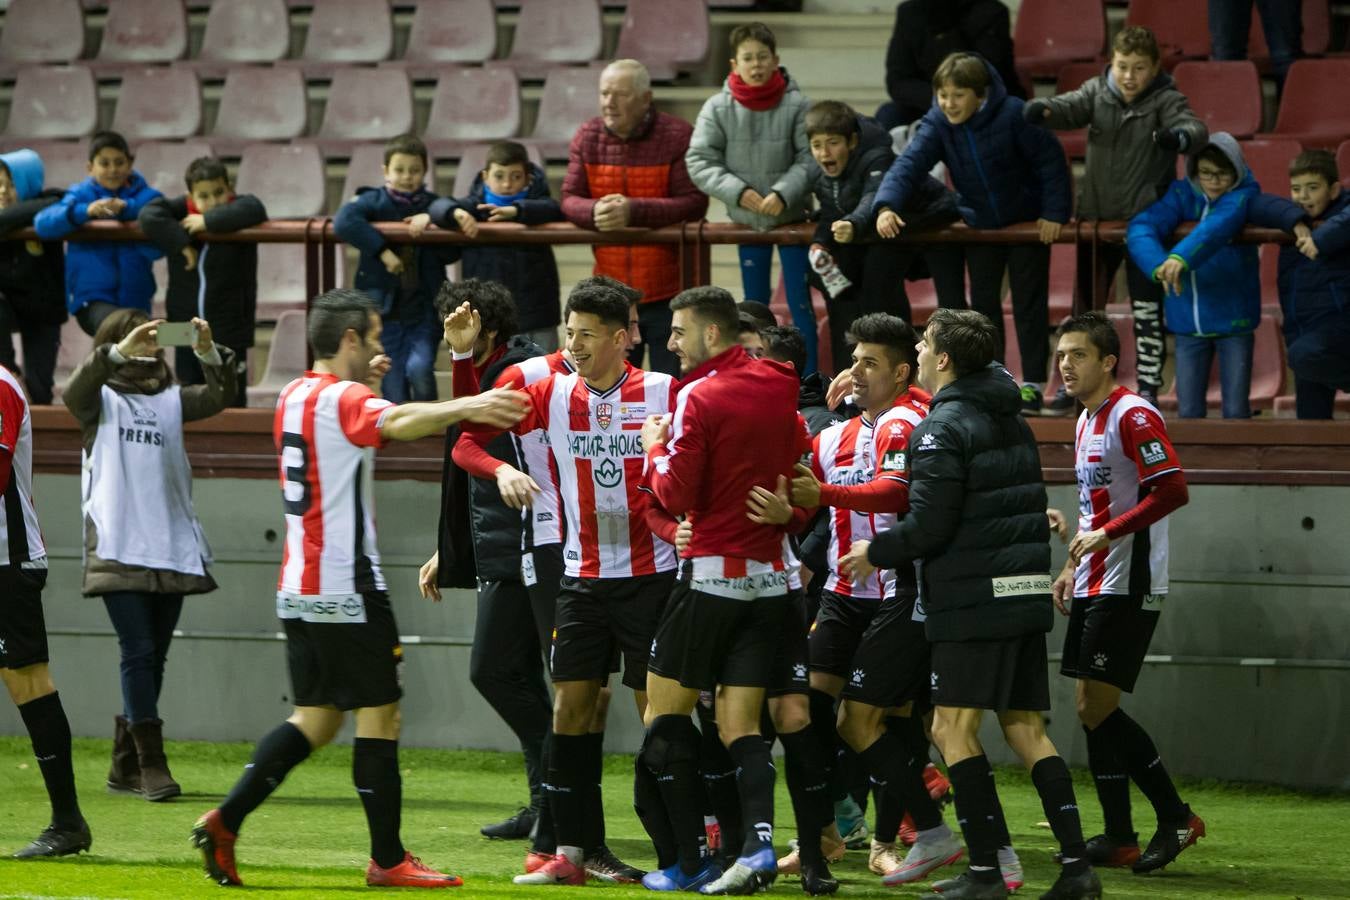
<point x="1153" y="453"/>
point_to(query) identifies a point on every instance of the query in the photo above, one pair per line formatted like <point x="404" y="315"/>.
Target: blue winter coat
<point x="1004" y="169"/>
<point x="116" y="272"/>
<point x="1221" y="287"/>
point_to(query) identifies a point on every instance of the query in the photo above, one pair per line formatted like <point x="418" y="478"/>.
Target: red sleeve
<point x="674" y="468"/>
<point x="536" y="417"/>
<point x="880" y="495"/>
<point x="1143" y="438"/>
<point x="360" y="413"/>
<point x="11" y="420"/>
<point x="471" y="455"/>
<point x="661" y="523"/>
<point x="511" y="377"/>
<point x="1168" y="493"/>
<point x="463" y="377"/>
<point x="892" y="450"/>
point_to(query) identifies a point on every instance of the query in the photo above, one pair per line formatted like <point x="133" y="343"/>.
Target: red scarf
<point x="766" y="96"/>
<point x="192" y="207"/>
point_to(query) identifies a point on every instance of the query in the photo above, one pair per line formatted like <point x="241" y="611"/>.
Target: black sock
<point x="1144" y="764"/>
<point x="567" y="771"/>
<point x="380" y="787"/>
<point x="280" y="750"/>
<point x="846" y="764"/>
<point x="755" y="777"/>
<point x="809" y="788"/>
<point x="652" y="813"/>
<point x="890" y="812"/>
<point x="49" y="732"/>
<point x="544" y="841"/>
<point x="670" y="751"/>
<point x="910" y="731"/>
<point x="719" y="780"/>
<point x="1055" y="785"/>
<point x="824" y="722"/>
<point x="888" y="761"/>
<point x="977" y="812"/>
<point x="1113" y="786"/>
<point x="595" y="806"/>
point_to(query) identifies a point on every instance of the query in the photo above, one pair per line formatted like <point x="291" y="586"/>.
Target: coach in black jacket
<point x="977" y="530"/>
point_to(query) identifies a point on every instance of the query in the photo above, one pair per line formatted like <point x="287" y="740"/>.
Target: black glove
<point x="1034" y="111"/>
<point x="1170" y="139"/>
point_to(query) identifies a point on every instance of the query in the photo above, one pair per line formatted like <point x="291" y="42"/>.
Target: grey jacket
<point x="1126" y="170"/>
<point x="734" y="148"/>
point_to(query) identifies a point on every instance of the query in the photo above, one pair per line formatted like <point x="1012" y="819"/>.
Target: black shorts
<point x="1008" y="674"/>
<point x="837" y="631"/>
<point x="706" y="640"/>
<point x="791" y="665"/>
<point x="350" y="665"/>
<point x="548" y="570"/>
<point x="23" y="628"/>
<point x="891" y="666"/>
<point x="1108" y="637"/>
<point x="597" y="619"/>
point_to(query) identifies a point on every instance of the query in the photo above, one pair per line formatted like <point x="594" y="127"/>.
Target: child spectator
<point x="104" y="276"/>
<point x="1005" y="172"/>
<point x="402" y="278"/>
<point x="213" y="281"/>
<point x="1314" y="279"/>
<point x="32" y="283"/>
<point x="1213" y="286"/>
<point x="511" y="189"/>
<point x="749" y="150"/>
<point x="857" y="273"/>
<point x="1137" y="122"/>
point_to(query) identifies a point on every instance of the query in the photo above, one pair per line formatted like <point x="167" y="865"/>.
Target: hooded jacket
<point x="32" y="273"/>
<point x="1126" y="169"/>
<point x="1004" y="169"/>
<point x="976" y="524"/>
<point x="735" y="147"/>
<point x="1221" y="287"/>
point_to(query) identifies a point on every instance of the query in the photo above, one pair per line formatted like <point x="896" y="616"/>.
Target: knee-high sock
<point x="890" y="812"/>
<point x="755" y="775"/>
<point x="1054" y="784"/>
<point x="1113" y="786"/>
<point x="567" y="774"/>
<point x="1144" y="764"/>
<point x="280" y="750"/>
<point x="49" y="733"/>
<point x="808" y="786"/>
<point x="889" y="761"/>
<point x="594" y="800"/>
<point x="545" y="840"/>
<point x="651" y="811"/>
<point x="719" y="780"/>
<point x="824" y="722"/>
<point x="670" y="752"/>
<point x="977" y="810"/>
<point x="380" y="787"/>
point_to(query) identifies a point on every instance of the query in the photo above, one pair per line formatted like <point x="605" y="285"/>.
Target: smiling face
<point x="688" y="340"/>
<point x="505" y="181"/>
<point x="831" y="152"/>
<point x="1133" y="73"/>
<point x="875" y="379"/>
<point x="405" y="172"/>
<point x="958" y="104"/>
<point x="596" y="346"/>
<point x="1312" y="192"/>
<point x="754" y="62"/>
<point x="111" y="168"/>
<point x="207" y="195"/>
<point x="1084" y="370"/>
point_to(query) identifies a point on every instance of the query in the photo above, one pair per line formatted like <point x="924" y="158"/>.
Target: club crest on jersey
<point x="604" y="414"/>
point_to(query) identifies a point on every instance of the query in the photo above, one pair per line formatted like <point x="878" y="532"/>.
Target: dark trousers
<point x="1230" y="23"/>
<point x="1313" y="400"/>
<point x="1028" y="268"/>
<point x="654" y="323"/>
<point x="92" y="314"/>
<point x="878" y="275"/>
<point x="144" y="624"/>
<point x="188" y="370"/>
<point x="40" y="344"/>
<point x="1146" y="306"/>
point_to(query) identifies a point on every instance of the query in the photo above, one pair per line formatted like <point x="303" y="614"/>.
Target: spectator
<point x="927" y="32"/>
<point x="1213" y="286"/>
<point x="102" y="277"/>
<point x="32" y="281"/>
<point x="402" y="279"/>
<point x="215" y="281"/>
<point x="1230" y="25"/>
<point x="763" y="316"/>
<point x="1314" y="279"/>
<point x="144" y="548"/>
<point x="626" y="168"/>
<point x="749" y="151"/>
<point x="511" y="189"/>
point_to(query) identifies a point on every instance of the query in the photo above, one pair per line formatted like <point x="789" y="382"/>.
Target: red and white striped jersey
<point x="326" y="432"/>
<point x="546" y="513"/>
<point x="1119" y="447"/>
<point x="20" y="535"/>
<point x="596" y="443"/>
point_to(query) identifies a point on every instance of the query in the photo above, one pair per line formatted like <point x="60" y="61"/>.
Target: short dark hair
<point x="102" y="140"/>
<point x="1214" y="155"/>
<point x="712" y="305"/>
<point x="410" y="144"/>
<point x="746" y="324"/>
<point x="118" y="324"/>
<point x="508" y="153"/>
<point x="332" y="314"/>
<point x="491" y="299"/>
<point x="761" y="313"/>
<point x="630" y="293"/>
<point x="964" y="70"/>
<point x="968" y="338"/>
<point x="891" y="332"/>
<point x="1099" y="330"/>
<point x="831" y="117"/>
<point x="1136" y="40"/>
<point x="784" y="343"/>
<point x="607" y="303"/>
<point x="752" y="31"/>
<point x="1316" y="162"/>
<point x="205" y="168"/>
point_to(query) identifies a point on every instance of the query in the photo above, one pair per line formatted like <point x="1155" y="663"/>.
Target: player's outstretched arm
<point x="496" y="409"/>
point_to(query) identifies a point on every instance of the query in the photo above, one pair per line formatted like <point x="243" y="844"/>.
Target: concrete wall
<point x="1250" y="677"/>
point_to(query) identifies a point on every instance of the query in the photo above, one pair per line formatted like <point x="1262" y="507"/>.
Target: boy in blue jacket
<point x="1314" y="279"/>
<point x="1005" y="171"/>
<point x="402" y="278"/>
<point x="1213" y="286"/>
<point x="105" y="276"/>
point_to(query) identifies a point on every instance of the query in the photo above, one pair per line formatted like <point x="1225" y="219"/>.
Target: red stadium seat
<point x="1312" y="110"/>
<point x="555" y="32"/>
<point x="1052" y="33"/>
<point x="41" y="31"/>
<point x="286" y="358"/>
<point x="1269" y="159"/>
<point x="1316" y="33"/>
<point x="1343" y="162"/>
<point x="449" y="31"/>
<point x="365" y="168"/>
<point x="1182" y="26"/>
<point x="1071" y="77"/>
<point x="144" y="31"/>
<point x="287" y="178"/>
<point x="163" y="163"/>
<point x="63" y="162"/>
<point x="1063" y="276"/>
<point x="347" y="31"/>
<point x="1227" y="95"/>
<point x="52" y="102"/>
<point x="471" y="105"/>
<point x="1270" y="271"/>
<point x="571" y="96"/>
<point x="281" y="279"/>
<point x="158" y="104"/>
<point x="259" y="104"/>
<point x="669" y="36"/>
<point x="365" y="105"/>
<point x="244" y="31"/>
<point x="473" y="158"/>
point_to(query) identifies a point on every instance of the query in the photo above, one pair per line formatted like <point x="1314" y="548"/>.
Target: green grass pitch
<point x="310" y="838"/>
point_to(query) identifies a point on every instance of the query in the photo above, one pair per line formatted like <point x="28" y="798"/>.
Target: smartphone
<point x="176" y="334"/>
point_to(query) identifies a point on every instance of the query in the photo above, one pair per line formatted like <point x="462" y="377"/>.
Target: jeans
<point x="756" y="267"/>
<point x="412" y="351"/>
<point x="654" y="326"/>
<point x="1230" y="23"/>
<point x="40" y="345"/>
<point x="144" y="624"/>
<point x="1195" y="359"/>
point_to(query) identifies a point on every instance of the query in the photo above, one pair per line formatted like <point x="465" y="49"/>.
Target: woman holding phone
<point x="143" y="546"/>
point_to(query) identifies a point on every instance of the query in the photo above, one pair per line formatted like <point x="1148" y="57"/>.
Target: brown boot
<point x="124" y="776"/>
<point x="156" y="782"/>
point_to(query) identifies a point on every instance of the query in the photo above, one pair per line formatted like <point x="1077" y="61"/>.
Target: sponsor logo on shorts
<point x="799" y="671"/>
<point x="1153" y="453"/>
<point x="1099" y="661"/>
<point x="857" y="677"/>
<point x="1154" y="600"/>
<point x="933" y="682"/>
<point x="1020" y="585"/>
<point x="747" y="587"/>
<point x="2" y="645"/>
<point x="322" y="608"/>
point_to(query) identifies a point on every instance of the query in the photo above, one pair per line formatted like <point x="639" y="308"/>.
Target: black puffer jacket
<point x="32" y="273"/>
<point x="976" y="523"/>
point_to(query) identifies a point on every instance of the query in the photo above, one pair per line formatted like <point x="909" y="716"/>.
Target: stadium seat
<point x="159" y="103"/>
<point x="163" y="163"/>
<point x="281" y="279"/>
<point x="1227" y="95"/>
<point x="287" y="178"/>
<point x="244" y="31"/>
<point x="41" y="31"/>
<point x="144" y="31"/>
<point x="471" y="105"/>
<point x="365" y="168"/>
<point x="1269" y="159"/>
<point x="63" y="162"/>
<point x="473" y="158"/>
<point x="259" y="104"/>
<point x="1343" y="162"/>
<point x="286" y="359"/>
<point x="1182" y="27"/>
<point x="1052" y="33"/>
<point x="571" y="96"/>
<point x="1071" y="77"/>
<point x="669" y="36"/>
<point x="1316" y="33"/>
<point x="448" y="32"/>
<point x="1312" y="110"/>
<point x="52" y="102"/>
<point x="365" y="105"/>
<point x="555" y="32"/>
<point x="347" y="31"/>
<point x="1270" y="271"/>
<point x="1063" y="277"/>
